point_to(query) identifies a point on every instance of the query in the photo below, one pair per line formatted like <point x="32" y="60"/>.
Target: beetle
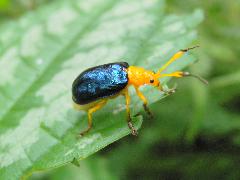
<point x="95" y="86"/>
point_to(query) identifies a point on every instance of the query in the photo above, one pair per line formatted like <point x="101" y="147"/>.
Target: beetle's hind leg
<point x="90" y="112"/>
<point x="129" y="120"/>
<point x="145" y="102"/>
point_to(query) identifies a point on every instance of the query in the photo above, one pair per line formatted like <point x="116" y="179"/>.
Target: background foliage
<point x="195" y="132"/>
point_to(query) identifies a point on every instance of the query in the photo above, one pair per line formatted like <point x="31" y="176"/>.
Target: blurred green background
<point x="196" y="132"/>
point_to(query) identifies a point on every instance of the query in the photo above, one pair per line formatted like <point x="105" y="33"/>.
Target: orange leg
<point x="129" y="120"/>
<point x="174" y="58"/>
<point x="90" y="111"/>
<point x="180" y="74"/>
<point x="145" y="102"/>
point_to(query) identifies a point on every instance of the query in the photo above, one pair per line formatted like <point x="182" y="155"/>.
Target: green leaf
<point x="42" y="53"/>
<point x="92" y="168"/>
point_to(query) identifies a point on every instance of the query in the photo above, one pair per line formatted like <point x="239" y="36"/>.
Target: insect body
<point x="100" y="82"/>
<point x="95" y="86"/>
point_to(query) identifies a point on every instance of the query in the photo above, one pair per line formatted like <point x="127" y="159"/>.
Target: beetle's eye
<point x="151" y="81"/>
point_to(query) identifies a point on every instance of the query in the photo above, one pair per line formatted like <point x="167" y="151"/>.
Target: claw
<point x="84" y="132"/>
<point x="133" y="130"/>
<point x="170" y="91"/>
<point x="186" y="50"/>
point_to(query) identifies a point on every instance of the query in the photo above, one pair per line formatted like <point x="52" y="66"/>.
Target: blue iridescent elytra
<point x="99" y="82"/>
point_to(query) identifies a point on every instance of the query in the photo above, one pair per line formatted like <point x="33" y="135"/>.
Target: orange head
<point x="138" y="76"/>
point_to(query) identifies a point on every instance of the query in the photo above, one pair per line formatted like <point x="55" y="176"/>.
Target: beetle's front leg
<point x="129" y="120"/>
<point x="145" y="102"/>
